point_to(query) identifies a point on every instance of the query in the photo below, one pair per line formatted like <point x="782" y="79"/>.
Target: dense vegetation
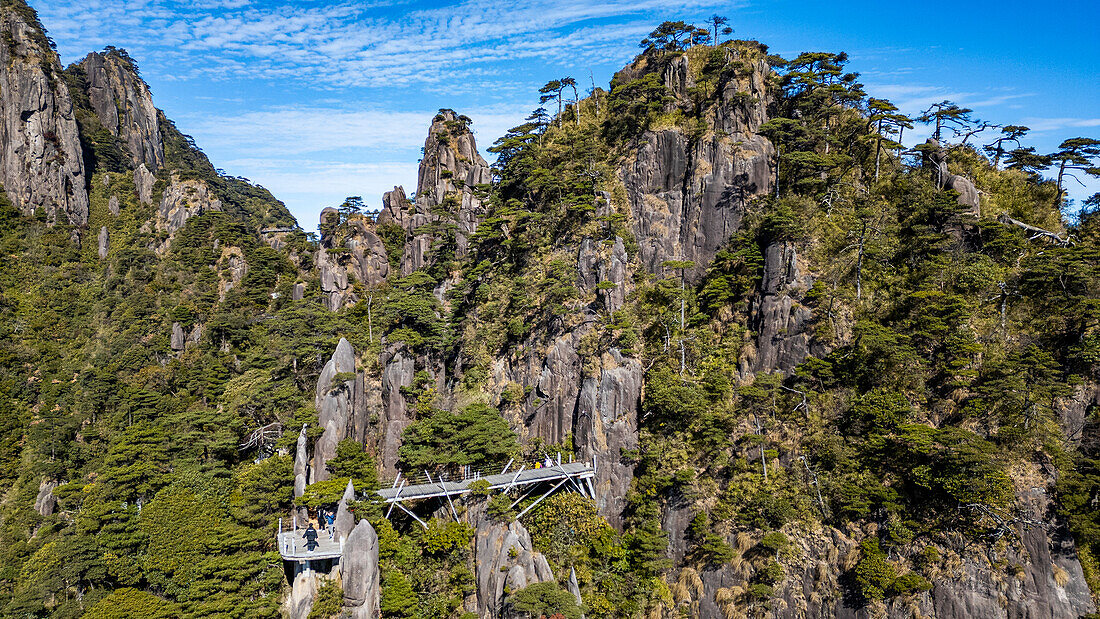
<point x="950" y="343"/>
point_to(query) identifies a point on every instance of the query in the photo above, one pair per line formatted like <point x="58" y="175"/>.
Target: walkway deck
<point x="292" y="545"/>
<point x="577" y="471"/>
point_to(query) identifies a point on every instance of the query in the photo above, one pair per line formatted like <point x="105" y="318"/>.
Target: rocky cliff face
<point x="687" y="193"/>
<point x="505" y="561"/>
<point x="124" y="105"/>
<point x="41" y="165"/>
<point x="354" y="253"/>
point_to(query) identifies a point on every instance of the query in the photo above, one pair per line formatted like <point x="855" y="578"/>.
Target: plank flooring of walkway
<point x="292" y="545"/>
<point x="559" y="472"/>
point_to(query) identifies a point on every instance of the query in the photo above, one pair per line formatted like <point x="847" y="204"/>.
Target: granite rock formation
<point x="41" y="163"/>
<point x="687" y="194"/>
<point x="504" y="561"/>
<point x="447" y="183"/>
<point x="339" y="392"/>
<point x="124" y="105"/>
<point x="360" y="574"/>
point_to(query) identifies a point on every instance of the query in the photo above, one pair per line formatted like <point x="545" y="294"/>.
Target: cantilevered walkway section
<point x="544" y="477"/>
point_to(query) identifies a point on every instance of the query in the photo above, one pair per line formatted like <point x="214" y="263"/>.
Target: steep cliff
<point x="40" y="154"/>
<point x="124" y="105"/>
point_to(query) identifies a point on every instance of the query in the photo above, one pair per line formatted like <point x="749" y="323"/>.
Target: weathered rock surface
<point x="345" y="520"/>
<point x="936" y="156"/>
<point x="599" y="407"/>
<point x="178" y="339"/>
<point x="504" y="558"/>
<point x="143" y="183"/>
<point x="361" y="256"/>
<point x="783" y="326"/>
<point x="398" y="368"/>
<point x="41" y="163"/>
<point x="687" y="195"/>
<point x="45" y="502"/>
<point x="303" y="590"/>
<point x="448" y="174"/>
<point x="124" y="105"/>
<point x="301" y="472"/>
<point x="359" y="567"/>
<point x="183" y="199"/>
<point x="112" y="205"/>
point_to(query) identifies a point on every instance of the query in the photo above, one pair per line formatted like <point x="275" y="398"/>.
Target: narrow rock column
<point x="301" y="473"/>
<point x="359" y="565"/>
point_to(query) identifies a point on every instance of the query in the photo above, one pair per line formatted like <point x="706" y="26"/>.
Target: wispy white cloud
<point x="343" y="44"/>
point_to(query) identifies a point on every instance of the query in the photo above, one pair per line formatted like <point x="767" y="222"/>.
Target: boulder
<point x="112" y="205"/>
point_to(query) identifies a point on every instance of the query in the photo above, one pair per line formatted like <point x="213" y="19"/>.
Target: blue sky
<point x="321" y="99"/>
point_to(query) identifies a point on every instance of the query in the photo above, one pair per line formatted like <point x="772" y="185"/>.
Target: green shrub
<point x="907" y="584"/>
<point x="873" y="575"/>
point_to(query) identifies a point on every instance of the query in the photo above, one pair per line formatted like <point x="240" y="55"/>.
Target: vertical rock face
<point x="783" y="326"/>
<point x="345" y="521"/>
<point x="45" y="502"/>
<point x="144" y="181"/>
<point x="360" y="253"/>
<point x="336" y="405"/>
<point x="448" y="174"/>
<point x="398" y="368"/>
<point x="359" y="566"/>
<point x="41" y="165"/>
<point x="124" y="105"/>
<point x="687" y="194"/>
<point x="301" y="472"/>
<point x="104" y="242"/>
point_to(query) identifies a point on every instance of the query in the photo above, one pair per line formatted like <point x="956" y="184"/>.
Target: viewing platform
<point x="293" y="546"/>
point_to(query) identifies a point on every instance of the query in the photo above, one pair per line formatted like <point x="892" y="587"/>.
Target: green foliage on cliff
<point x="863" y="352"/>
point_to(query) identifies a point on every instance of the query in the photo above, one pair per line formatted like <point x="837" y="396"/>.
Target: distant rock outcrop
<point x="183" y="199"/>
<point x="448" y="176"/>
<point x="41" y="163"/>
<point x="124" y="105"/>
<point x="45" y="502"/>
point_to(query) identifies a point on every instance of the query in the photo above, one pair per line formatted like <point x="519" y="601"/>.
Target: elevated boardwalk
<point x="580" y="472"/>
<point x="547" y="479"/>
<point x="292" y="545"/>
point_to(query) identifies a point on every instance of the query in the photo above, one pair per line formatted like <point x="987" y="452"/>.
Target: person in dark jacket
<point x="311" y="538"/>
